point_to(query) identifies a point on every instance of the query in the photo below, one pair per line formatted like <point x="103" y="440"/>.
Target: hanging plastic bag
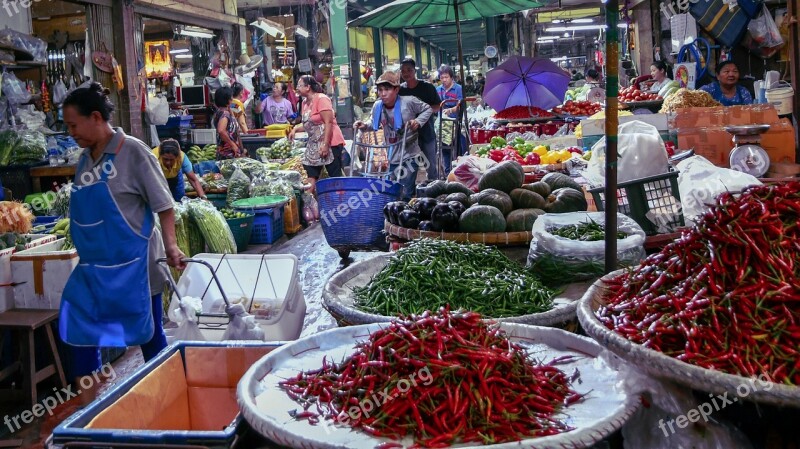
<point x="470" y="169"/>
<point x="242" y="326"/>
<point x="641" y="154"/>
<point x="15" y="90"/>
<point x="59" y="92"/>
<point x="310" y="208"/>
<point x="184" y="314"/>
<point x="157" y="110"/>
<point x="238" y="187"/>
<point x="700" y="183"/>
<point x="557" y="258"/>
<point x="764" y="37"/>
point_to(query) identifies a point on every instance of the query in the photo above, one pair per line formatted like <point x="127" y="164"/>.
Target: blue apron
<point x="106" y="301"/>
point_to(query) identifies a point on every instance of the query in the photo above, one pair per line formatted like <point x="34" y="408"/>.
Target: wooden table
<point x="46" y="171"/>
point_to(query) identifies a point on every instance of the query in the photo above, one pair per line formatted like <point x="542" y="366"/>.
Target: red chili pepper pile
<point x="521" y="112"/>
<point x="726" y="295"/>
<point x="479" y="387"/>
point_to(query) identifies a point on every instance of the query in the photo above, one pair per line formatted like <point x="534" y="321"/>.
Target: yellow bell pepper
<point x="541" y="150"/>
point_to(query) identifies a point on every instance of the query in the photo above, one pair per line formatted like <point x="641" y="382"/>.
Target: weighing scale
<point x="747" y="155"/>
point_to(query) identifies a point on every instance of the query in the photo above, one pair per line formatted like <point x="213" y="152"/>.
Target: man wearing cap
<point x="400" y="118"/>
<point x="426" y="92"/>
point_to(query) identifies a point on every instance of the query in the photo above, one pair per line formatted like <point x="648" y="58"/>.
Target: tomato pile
<point x="632" y="94"/>
<point x="724" y="296"/>
<point x="578" y="108"/>
<point x="521" y="112"/>
<point x="479" y="387"/>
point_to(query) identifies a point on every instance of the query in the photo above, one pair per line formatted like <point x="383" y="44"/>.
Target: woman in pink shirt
<point x="325" y="140"/>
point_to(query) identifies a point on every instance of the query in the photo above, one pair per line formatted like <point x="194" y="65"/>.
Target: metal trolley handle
<point x="162" y="262"/>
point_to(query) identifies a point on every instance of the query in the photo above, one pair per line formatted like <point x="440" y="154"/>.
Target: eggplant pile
<point x="425" y="214"/>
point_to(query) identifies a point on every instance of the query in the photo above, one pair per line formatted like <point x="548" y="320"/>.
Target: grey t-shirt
<point x="135" y="180"/>
<point x="412" y="108"/>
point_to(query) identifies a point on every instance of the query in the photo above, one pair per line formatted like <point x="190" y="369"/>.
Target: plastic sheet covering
<point x="238" y="187"/>
<point x="14" y="89"/>
<point x="553" y="257"/>
<point x="213" y="226"/>
<point x="32" y="45"/>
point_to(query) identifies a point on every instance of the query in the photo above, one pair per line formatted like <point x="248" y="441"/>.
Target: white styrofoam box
<point x="42" y="273"/>
<point x="6" y="293"/>
<point x="270" y="282"/>
<point x="596" y="127"/>
<point x="204" y="136"/>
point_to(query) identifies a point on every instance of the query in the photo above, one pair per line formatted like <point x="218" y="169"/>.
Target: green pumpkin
<point x="457" y="187"/>
<point x="496" y="198"/>
<point x="559" y="180"/>
<point x="542" y="188"/>
<point x="482" y="219"/>
<point x="521" y="220"/>
<point x="566" y="200"/>
<point x="525" y="199"/>
<point x="460" y="197"/>
<point x="435" y="189"/>
<point x="505" y="176"/>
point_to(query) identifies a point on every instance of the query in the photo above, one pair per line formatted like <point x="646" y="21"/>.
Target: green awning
<point x="419" y="13"/>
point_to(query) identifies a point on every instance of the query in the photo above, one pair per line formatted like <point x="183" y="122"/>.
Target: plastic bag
<point x="764" y="36"/>
<point x="238" y="187"/>
<point x="266" y="185"/>
<point x="184" y="314"/>
<point x="242" y="326"/>
<point x="469" y="170"/>
<point x="213" y="226"/>
<point x="26" y="42"/>
<point x="555" y="258"/>
<point x="29" y="118"/>
<point x="641" y="154"/>
<point x="310" y="208"/>
<point x="655" y="427"/>
<point x="292" y="177"/>
<point x="250" y="167"/>
<point x="157" y="110"/>
<point x="30" y="148"/>
<point x="59" y="92"/>
<point x="700" y="182"/>
<point x="15" y="90"/>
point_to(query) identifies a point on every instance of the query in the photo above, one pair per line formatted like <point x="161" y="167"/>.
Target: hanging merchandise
<point x="87" y="56"/>
<point x="102" y="59"/>
<point x="689" y="76"/>
<point x="119" y="80"/>
<point x="683" y="29"/>
<point x="763" y="37"/>
<point x="726" y="26"/>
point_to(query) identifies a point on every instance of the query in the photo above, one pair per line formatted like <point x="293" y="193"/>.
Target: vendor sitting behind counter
<point x="726" y="89"/>
<point x="174" y="163"/>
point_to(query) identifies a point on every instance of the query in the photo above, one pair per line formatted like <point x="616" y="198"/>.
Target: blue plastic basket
<point x="351" y="211"/>
<point x="267" y="225"/>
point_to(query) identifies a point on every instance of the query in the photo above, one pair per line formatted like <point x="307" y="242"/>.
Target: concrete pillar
<point x="342" y="98"/>
<point x="418" y="55"/>
<point x="643" y="35"/>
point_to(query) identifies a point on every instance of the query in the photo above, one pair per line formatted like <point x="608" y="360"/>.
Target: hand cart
<point x="448" y="146"/>
<point x="230" y="288"/>
<point x="352" y="208"/>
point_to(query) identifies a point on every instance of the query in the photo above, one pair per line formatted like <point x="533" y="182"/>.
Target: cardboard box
<point x="779" y="142"/>
<point x="725" y="116"/>
<point x="713" y="143"/>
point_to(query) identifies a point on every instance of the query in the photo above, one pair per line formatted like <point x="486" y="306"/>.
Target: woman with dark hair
<point x="174" y="164"/>
<point x="276" y="109"/>
<point x="113" y="297"/>
<point x="237" y="106"/>
<point x="660" y="74"/>
<point x="229" y="144"/>
<point x="325" y="140"/>
<point x="726" y="89"/>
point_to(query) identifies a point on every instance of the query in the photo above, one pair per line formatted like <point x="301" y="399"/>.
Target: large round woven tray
<point x="491" y="238"/>
<point x="339" y="301"/>
<point x="662" y="366"/>
<point x="609" y="402"/>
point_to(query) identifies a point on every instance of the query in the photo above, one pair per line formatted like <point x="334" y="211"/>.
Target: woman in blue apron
<point x="174" y="164"/>
<point x="112" y="298"/>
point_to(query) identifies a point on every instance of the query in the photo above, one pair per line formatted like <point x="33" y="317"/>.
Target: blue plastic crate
<point x="267" y="225"/>
<point x="45" y="219"/>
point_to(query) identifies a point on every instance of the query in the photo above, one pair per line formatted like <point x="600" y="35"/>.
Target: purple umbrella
<point x="521" y="81"/>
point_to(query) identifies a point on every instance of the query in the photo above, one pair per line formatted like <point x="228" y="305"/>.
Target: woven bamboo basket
<point x="339" y="301"/>
<point x="490" y="238"/>
<point x="664" y="367"/>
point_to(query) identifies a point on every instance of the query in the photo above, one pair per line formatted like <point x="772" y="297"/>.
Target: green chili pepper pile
<point x="589" y="231"/>
<point x="428" y="274"/>
<point x="725" y="295"/>
<point x="444" y="379"/>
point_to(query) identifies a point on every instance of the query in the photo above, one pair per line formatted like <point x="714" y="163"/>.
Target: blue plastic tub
<point x="267" y="225"/>
<point x="351" y="211"/>
<point x="207" y="371"/>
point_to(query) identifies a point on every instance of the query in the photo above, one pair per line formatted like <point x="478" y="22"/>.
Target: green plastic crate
<point x="242" y="229"/>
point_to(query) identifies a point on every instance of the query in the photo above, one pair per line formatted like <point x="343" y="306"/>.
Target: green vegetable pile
<point x="13" y="240"/>
<point x="197" y="154"/>
<point x="22" y="147"/>
<point x="238" y="187"/>
<point x="428" y="274"/>
<point x="60" y="206"/>
<point x="213" y="226"/>
<point x="589" y="231"/>
<point x="62" y="230"/>
<point x="8" y="140"/>
<point x="250" y="167"/>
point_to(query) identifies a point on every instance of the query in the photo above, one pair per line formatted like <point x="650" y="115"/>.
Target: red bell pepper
<point x="496" y="155"/>
<point x="533" y="159"/>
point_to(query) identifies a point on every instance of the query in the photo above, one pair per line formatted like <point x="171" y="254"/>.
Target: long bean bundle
<point x="429" y="274"/>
